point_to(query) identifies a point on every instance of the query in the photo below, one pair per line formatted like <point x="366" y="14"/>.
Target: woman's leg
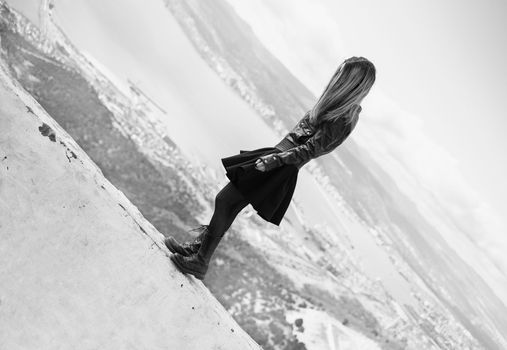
<point x="228" y="204"/>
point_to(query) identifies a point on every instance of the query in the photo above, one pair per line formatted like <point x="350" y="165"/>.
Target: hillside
<point x="80" y="266"/>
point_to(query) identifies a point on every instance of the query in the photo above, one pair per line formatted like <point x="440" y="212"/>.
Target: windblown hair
<point x="342" y="97"/>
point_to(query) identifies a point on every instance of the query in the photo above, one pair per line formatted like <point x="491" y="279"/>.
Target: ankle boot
<point x="197" y="264"/>
<point x="187" y="248"/>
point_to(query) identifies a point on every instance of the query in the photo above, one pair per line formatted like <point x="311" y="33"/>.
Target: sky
<point x="441" y="77"/>
<point x="444" y="61"/>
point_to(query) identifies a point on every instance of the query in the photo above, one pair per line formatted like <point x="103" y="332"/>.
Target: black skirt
<point x="269" y="192"/>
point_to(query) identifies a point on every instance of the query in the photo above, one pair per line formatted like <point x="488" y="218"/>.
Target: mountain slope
<point x="80" y="266"/>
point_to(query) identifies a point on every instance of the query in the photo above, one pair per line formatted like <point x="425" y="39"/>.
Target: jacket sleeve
<point x="324" y="140"/>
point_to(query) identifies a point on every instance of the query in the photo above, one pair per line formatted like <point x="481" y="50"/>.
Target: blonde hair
<point x="349" y="85"/>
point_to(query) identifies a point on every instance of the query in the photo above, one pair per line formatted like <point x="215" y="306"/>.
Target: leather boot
<point x="197" y="264"/>
<point x="187" y="248"/>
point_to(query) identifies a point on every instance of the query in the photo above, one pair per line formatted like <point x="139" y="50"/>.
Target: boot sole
<point x="198" y="275"/>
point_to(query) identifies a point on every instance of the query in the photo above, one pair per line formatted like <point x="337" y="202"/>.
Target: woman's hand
<point x="259" y="165"/>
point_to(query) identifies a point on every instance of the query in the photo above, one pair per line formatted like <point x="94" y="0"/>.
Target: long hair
<point x="342" y="97"/>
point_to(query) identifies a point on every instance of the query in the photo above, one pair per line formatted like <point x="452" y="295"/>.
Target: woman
<point x="266" y="177"/>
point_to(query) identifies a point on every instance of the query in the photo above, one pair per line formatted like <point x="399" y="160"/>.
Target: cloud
<point x="398" y="141"/>
<point x="300" y="37"/>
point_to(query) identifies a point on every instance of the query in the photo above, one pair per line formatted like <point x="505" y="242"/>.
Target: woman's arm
<point x="324" y="140"/>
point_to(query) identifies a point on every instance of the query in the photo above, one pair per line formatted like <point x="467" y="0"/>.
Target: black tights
<point x="228" y="203"/>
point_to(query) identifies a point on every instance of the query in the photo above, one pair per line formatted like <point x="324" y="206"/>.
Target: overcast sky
<point x="441" y="81"/>
<point x="435" y="119"/>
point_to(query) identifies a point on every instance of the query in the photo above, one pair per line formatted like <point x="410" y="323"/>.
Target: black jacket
<point x="306" y="141"/>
